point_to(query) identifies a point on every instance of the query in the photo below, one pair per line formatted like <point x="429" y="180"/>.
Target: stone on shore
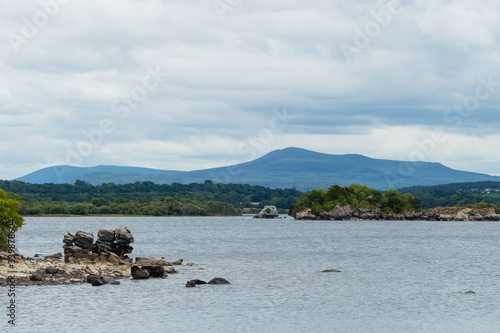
<point x="36" y="277"/>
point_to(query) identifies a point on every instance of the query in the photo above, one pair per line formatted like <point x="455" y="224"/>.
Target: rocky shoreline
<point x="433" y="214"/>
<point x="84" y="261"/>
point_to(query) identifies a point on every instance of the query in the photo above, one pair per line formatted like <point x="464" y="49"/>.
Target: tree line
<point x="477" y="194"/>
<point x="164" y="206"/>
<point x="356" y="196"/>
<point x="238" y="195"/>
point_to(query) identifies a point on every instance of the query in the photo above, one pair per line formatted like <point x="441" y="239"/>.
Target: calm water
<point x="396" y="277"/>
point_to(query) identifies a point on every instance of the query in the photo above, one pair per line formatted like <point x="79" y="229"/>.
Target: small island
<point x="358" y="202"/>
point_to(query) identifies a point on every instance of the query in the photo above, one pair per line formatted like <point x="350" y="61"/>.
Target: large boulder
<point x="106" y="235"/>
<point x="268" y="212"/>
<point x="123" y="236"/>
<point x="84" y="240"/>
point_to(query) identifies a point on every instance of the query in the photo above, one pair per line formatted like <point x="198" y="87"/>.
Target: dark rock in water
<point x="53" y="270"/>
<point x="115" y="282"/>
<point x="190" y="284"/>
<point x="139" y="273"/>
<point x="84" y="240"/>
<point x="92" y="277"/>
<point x="470" y="292"/>
<point x="36" y="255"/>
<point x="268" y="212"/>
<point x="156" y="271"/>
<point x="196" y="281"/>
<point x="331" y="271"/>
<point x="98" y="282"/>
<point x="36" y="277"/>
<point x="218" y="280"/>
<point x="107" y="279"/>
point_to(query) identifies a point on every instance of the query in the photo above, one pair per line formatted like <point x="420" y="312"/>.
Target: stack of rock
<point x="111" y="245"/>
<point x="78" y="247"/>
<point x="116" y="241"/>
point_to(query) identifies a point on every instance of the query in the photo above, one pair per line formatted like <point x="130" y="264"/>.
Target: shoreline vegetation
<point x="358" y="202"/>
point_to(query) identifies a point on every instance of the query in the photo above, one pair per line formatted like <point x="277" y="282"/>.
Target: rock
<point x="110" y="257"/>
<point x="106" y="235"/>
<point x="53" y="270"/>
<point x="115" y="283"/>
<point x="123" y="236"/>
<point x="84" y="240"/>
<point x="155" y="271"/>
<point x="305" y="214"/>
<point x="268" y="212"/>
<point x="196" y="281"/>
<point x="171" y="270"/>
<point x="151" y="261"/>
<point x="331" y="271"/>
<point x="36" y="255"/>
<point x="107" y="279"/>
<point x="36" y="277"/>
<point x="470" y="292"/>
<point x="190" y="284"/>
<point x="55" y="256"/>
<point x="178" y="262"/>
<point x="190" y="264"/>
<point x="139" y="273"/>
<point x="69" y="239"/>
<point x="92" y="277"/>
<point x="100" y="246"/>
<point x="219" y="280"/>
<point x="98" y="282"/>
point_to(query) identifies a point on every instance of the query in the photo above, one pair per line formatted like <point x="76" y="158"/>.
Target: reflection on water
<point x="396" y="277"/>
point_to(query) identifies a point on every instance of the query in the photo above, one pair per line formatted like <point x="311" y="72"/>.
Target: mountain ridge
<point x="282" y="168"/>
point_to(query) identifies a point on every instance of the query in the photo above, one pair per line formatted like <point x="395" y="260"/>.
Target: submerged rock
<point x="92" y="277"/>
<point x="218" y="280"/>
<point x="155" y="271"/>
<point x="139" y="273"/>
<point x="98" y="282"/>
<point x="331" y="270"/>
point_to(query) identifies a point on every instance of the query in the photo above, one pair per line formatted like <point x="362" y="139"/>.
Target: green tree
<point x="10" y="220"/>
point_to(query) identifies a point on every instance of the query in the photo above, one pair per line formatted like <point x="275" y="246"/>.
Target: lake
<point x="396" y="276"/>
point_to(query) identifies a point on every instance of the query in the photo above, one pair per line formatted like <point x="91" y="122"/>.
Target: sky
<point x="186" y="85"/>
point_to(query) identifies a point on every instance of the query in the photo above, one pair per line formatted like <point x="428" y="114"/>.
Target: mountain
<point x="69" y="174"/>
<point x="284" y="168"/>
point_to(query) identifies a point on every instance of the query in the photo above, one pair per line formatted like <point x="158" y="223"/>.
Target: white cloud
<point x="226" y="77"/>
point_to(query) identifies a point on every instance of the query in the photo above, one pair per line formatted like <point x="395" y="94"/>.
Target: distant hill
<point x="286" y="168"/>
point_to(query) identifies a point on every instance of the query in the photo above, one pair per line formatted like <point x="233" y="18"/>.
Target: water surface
<point x="396" y="277"/>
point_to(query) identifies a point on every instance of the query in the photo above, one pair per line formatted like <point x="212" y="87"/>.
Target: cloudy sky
<point x="185" y="85"/>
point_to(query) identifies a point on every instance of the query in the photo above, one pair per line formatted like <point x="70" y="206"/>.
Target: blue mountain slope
<point x="285" y="168"/>
<point x="68" y="174"/>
